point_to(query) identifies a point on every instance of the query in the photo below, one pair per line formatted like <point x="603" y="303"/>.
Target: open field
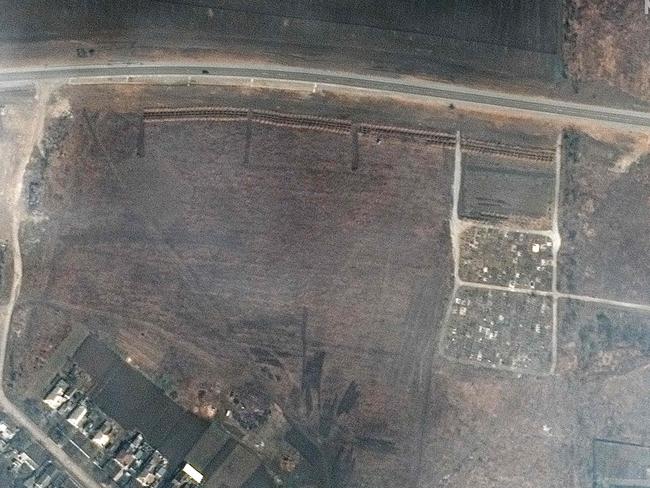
<point x="300" y="265"/>
<point x="595" y="339"/>
<point x="16" y="127"/>
<point x="311" y="265"/>
<point x="533" y="26"/>
<point x="615" y="464"/>
<point x="603" y="221"/>
<point x="603" y="354"/>
<point x="446" y="37"/>
<point x="495" y="429"/>
<point x="228" y="256"/>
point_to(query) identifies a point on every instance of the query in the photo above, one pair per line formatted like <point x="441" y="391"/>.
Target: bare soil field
<point x="16" y="128"/>
<point x="213" y="271"/>
<point x="614" y="463"/>
<point x="604" y="221"/>
<point x="522" y="37"/>
<point x="498" y="430"/>
<point x="307" y="268"/>
<point x="534" y="26"/>
<point x="495" y="429"/>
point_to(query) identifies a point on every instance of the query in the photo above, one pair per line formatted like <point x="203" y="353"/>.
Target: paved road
<point x="542" y="106"/>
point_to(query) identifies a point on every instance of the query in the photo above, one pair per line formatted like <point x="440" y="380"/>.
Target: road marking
<point x="78" y="447"/>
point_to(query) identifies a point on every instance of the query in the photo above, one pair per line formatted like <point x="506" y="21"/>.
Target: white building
<point x="57" y="396"/>
<point x="77" y="416"/>
<point x="193" y="473"/>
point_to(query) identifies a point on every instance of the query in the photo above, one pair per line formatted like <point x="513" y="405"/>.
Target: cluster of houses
<point x="134" y="436"/>
<point x="24" y="464"/>
<point x="126" y="458"/>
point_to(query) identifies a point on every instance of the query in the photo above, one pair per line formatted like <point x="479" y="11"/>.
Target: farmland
<point x="241" y="262"/>
<point x="447" y="38"/>
<point x="298" y="251"/>
<point x="243" y="253"/>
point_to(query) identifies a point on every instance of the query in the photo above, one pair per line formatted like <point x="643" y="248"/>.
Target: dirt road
<point x="6" y="312"/>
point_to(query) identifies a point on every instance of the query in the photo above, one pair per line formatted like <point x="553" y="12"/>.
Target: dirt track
<point x="6" y="312"/>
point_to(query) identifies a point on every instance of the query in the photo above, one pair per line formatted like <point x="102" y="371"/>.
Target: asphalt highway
<point x="559" y="109"/>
